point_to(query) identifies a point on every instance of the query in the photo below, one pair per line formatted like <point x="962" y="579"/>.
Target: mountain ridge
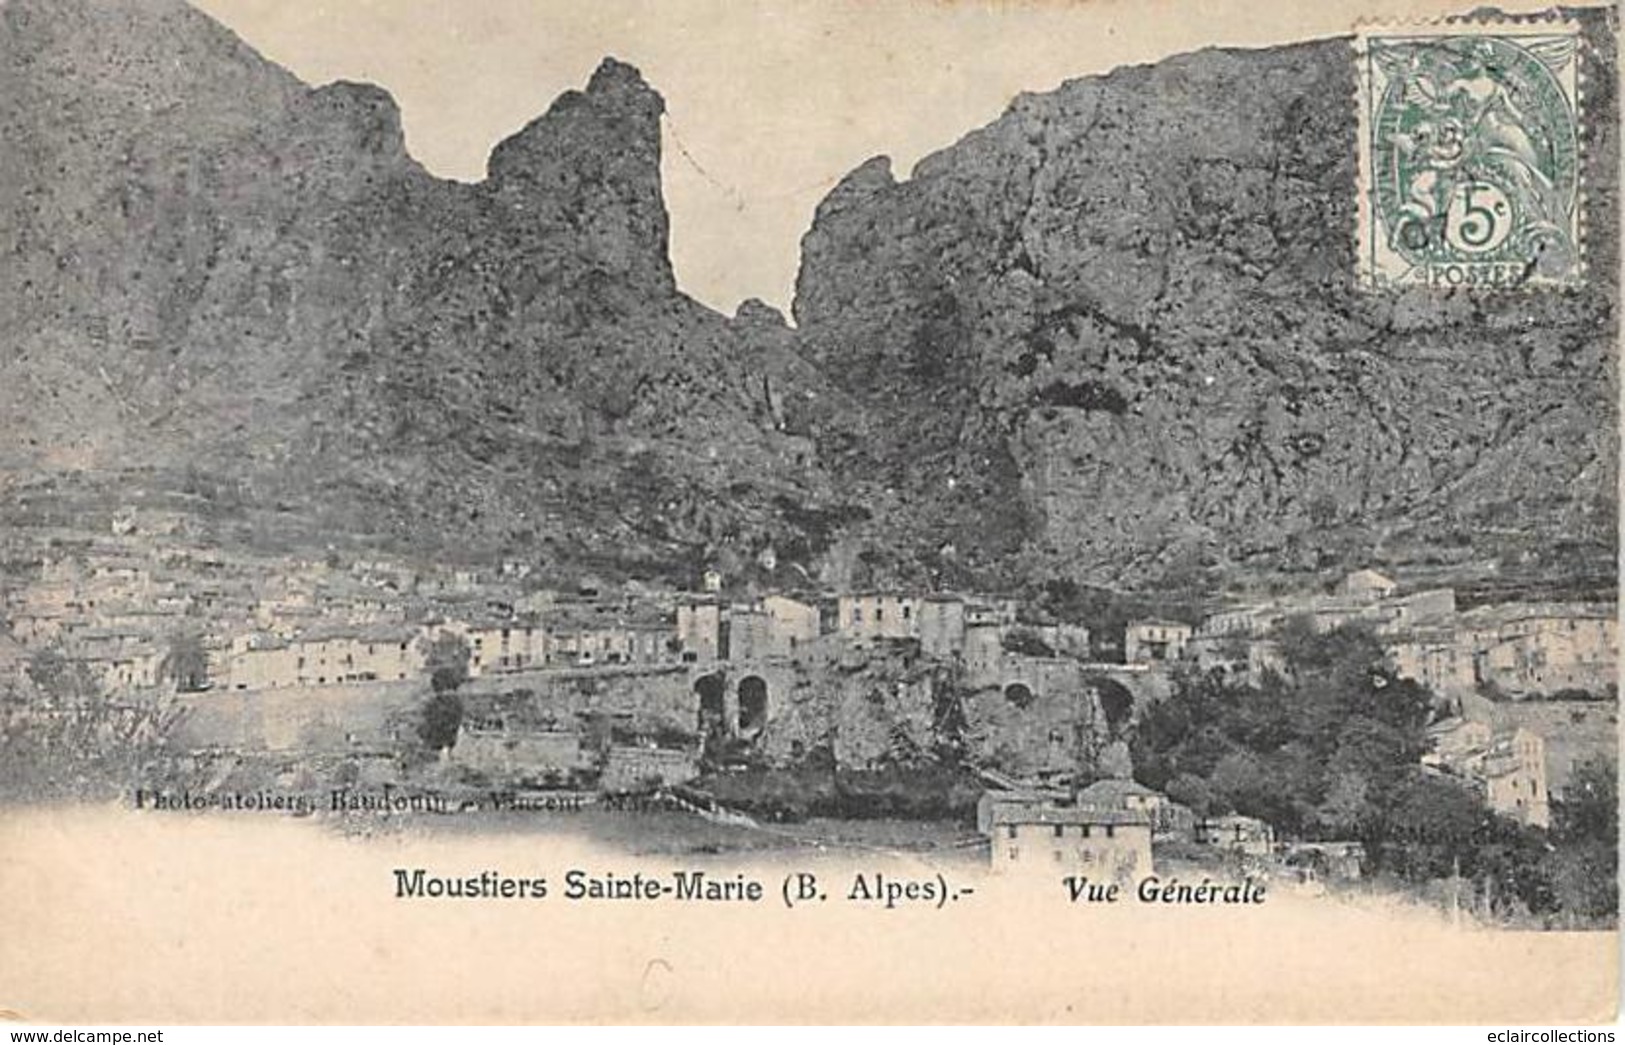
<point x="977" y="389"/>
<point x="1140" y="287"/>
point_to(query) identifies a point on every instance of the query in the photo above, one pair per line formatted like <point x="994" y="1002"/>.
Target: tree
<point x="1192" y="791"/>
<point x="1348" y="809"/>
<point x="1585" y="884"/>
<point x="441" y="721"/>
<point x="1584" y="866"/>
<point x="1025" y="642"/>
<point x="1370" y="750"/>
<point x="1426" y="829"/>
<point x="1315" y="749"/>
<point x="1589" y="808"/>
<point x="1297" y="784"/>
<point x="187" y="663"/>
<point x="1115" y="761"/>
<point x="61" y="681"/>
<point x="446" y="660"/>
<point x="60" y="735"/>
<point x="1240" y="780"/>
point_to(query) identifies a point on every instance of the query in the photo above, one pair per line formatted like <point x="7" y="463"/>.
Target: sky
<point x="769" y="102"/>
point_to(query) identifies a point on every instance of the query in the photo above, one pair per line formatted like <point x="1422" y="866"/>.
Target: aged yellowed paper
<point x="901" y="512"/>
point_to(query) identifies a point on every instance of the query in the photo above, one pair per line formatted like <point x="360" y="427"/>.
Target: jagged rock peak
<point x="872" y="176"/>
<point x="589" y="170"/>
<point x="614" y="76"/>
<point x="754" y="312"/>
<point x="371" y="113"/>
<point x="618" y="111"/>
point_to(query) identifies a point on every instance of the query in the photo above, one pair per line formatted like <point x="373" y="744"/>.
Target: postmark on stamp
<point x="1470" y="166"/>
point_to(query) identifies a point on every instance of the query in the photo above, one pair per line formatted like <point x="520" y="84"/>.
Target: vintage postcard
<point x="779" y="511"/>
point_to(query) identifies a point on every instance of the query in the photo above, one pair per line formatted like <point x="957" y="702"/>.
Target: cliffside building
<point x="1540" y="649"/>
<point x="325" y="658"/>
<point x="1506" y="766"/>
<point x="1155" y="641"/>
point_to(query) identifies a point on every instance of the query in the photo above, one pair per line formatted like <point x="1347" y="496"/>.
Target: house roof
<point x="1016" y="812"/>
<point x="1158" y="622"/>
<point x="1512" y="612"/>
<point x="1114" y="791"/>
<point x="330" y="631"/>
<point x="1233" y="820"/>
<point x="1368" y="578"/>
<point x="781" y="597"/>
<point x="577" y="620"/>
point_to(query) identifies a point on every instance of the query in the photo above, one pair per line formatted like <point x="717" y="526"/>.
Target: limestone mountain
<point x="1110" y="336"/>
<point x="223" y="282"/>
<point x="1116" y="331"/>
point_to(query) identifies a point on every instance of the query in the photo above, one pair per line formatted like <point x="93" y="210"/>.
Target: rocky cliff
<point x="1117" y="329"/>
<point x="1112" y="335"/>
<point x="223" y="282"/>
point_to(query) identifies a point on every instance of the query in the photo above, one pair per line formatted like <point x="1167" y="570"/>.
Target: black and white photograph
<point x="780" y="511"/>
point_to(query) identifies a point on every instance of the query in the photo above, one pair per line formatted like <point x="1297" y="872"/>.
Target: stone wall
<point x="307" y="719"/>
<point x="519" y="755"/>
<point x="882" y="705"/>
<point x="634" y="768"/>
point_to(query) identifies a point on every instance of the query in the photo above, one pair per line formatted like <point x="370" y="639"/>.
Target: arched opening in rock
<point x="713" y="708"/>
<point x="752" y="703"/>
<point x="1020" y="694"/>
<point x="1116" y="703"/>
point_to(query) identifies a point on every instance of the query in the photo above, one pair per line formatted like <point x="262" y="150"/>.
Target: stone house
<point x="606" y="644"/>
<point x="510" y="752"/>
<point x="700" y="631"/>
<point x="1033" y="834"/>
<point x="1366" y="584"/>
<point x="868" y="616"/>
<point x="1122" y="794"/>
<point x="507" y="645"/>
<point x="776" y="627"/>
<point x="1506" y="766"/>
<point x="1154" y="641"/>
<point x="1434" y="659"/>
<point x="1540" y="649"/>
<point x="327" y="657"/>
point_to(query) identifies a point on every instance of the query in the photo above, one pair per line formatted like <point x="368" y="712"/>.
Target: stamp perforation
<point x="1459" y="187"/>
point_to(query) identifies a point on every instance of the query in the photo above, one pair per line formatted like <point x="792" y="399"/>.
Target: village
<point x="631" y="688"/>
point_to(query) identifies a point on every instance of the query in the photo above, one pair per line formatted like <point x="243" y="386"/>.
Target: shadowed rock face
<point x="1123" y="316"/>
<point x="224" y="282"/>
<point x="1111" y="333"/>
<point x="592" y="166"/>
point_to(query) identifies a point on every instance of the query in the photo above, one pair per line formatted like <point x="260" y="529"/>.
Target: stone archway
<point x="752" y="704"/>
<point x="713" y="711"/>
<point x="1116" y="703"/>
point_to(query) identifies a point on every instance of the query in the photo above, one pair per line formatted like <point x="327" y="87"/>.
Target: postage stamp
<point x="1470" y="172"/>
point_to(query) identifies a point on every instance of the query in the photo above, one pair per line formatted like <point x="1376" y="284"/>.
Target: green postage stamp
<point x="1470" y="164"/>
